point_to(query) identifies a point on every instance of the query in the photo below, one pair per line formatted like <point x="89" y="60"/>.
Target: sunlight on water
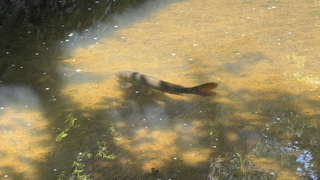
<point x="245" y="55"/>
<point x="262" y="124"/>
<point x="24" y="140"/>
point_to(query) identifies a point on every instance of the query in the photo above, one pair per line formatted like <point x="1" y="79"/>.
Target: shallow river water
<point x="64" y="115"/>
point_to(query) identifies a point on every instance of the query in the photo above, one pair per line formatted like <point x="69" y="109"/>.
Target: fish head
<point x="126" y="75"/>
<point x="122" y="74"/>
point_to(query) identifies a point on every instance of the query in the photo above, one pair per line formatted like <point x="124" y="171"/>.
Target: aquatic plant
<point x="300" y="75"/>
<point x="103" y="151"/>
<point x="70" y="122"/>
<point x="79" y="167"/>
<point x="116" y="136"/>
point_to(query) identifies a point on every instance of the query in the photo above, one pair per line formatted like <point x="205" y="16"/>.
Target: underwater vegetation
<point x="103" y="151"/>
<point x="79" y="165"/>
<point x="300" y="75"/>
<point x="69" y="123"/>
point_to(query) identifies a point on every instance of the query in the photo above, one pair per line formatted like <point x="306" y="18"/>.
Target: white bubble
<point x="195" y="44"/>
<point x="1" y="108"/>
<point x="175" y="158"/>
<point x="214" y="147"/>
<point x="54" y="169"/>
<point x="71" y="34"/>
<point x="47" y="89"/>
<point x="29" y="124"/>
<point x="273" y="7"/>
<point x="6" y="175"/>
<point x="78" y="70"/>
<point x="115" y="26"/>
<point x="37" y="54"/>
<point x="7" y="52"/>
<point x="173" y="54"/>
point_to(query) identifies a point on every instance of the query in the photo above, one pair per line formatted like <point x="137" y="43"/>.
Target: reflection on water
<point x="263" y="124"/>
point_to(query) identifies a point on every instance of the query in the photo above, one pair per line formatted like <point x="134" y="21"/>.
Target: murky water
<point x="64" y="115"/>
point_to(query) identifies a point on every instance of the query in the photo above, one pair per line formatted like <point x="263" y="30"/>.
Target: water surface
<point x="263" y="124"/>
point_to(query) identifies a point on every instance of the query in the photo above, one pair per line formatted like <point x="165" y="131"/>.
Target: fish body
<point x="150" y="82"/>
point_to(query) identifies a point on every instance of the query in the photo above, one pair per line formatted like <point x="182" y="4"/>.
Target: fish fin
<point x="204" y="89"/>
<point x="146" y="90"/>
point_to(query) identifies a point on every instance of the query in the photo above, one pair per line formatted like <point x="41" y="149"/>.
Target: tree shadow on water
<point x="31" y="58"/>
<point x="161" y="137"/>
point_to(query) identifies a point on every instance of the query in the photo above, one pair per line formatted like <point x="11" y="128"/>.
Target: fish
<point x="149" y="83"/>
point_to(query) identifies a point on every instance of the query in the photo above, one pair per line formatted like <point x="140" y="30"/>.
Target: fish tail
<point x="203" y="89"/>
